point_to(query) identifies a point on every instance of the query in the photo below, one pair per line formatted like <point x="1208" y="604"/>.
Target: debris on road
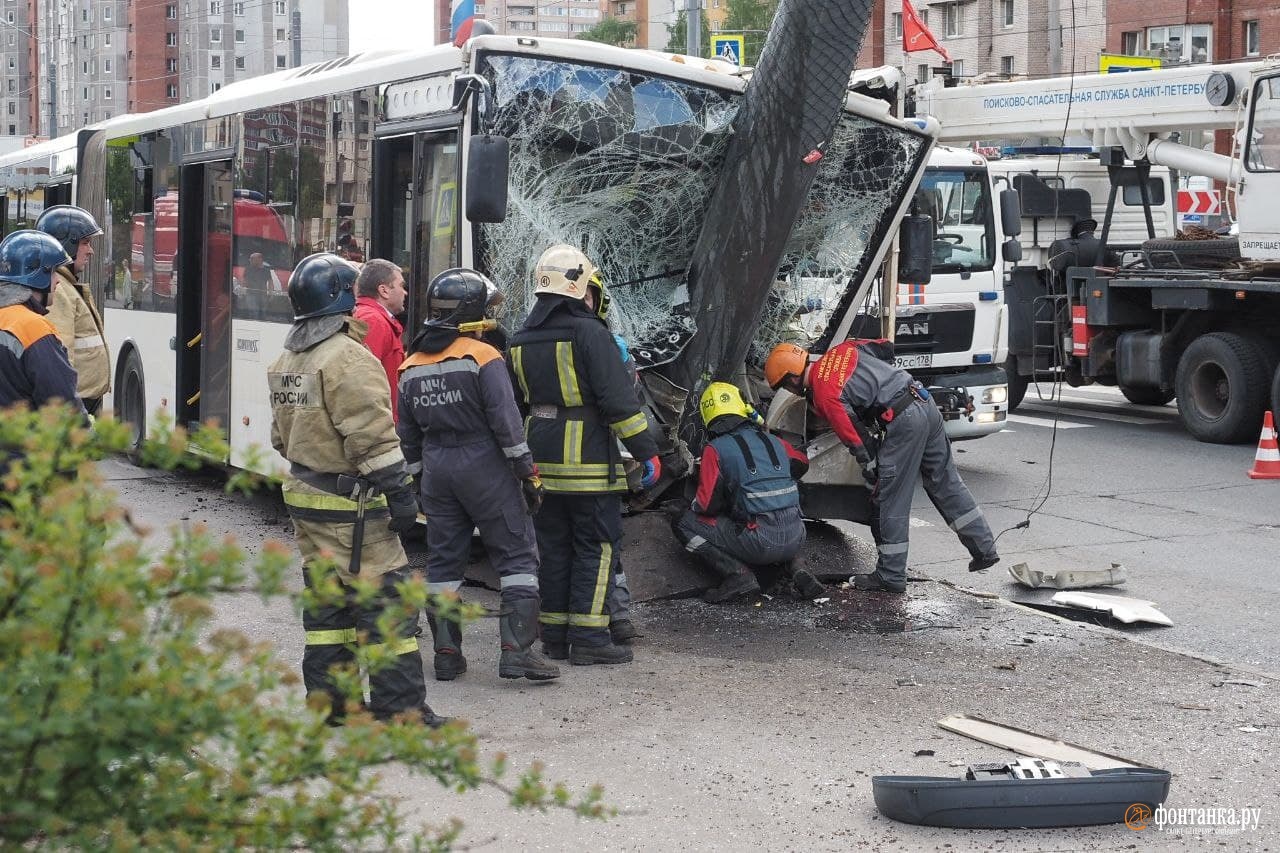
<point x="1127" y="610"/>
<point x="1011" y="665"/>
<point x="1243" y="682"/>
<point x="1068" y="578"/>
<point x="1026" y="742"/>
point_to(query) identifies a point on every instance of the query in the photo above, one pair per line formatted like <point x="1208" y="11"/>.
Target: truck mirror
<point x="915" y="244"/>
<point x="1011" y="250"/>
<point x="1010" y="213"/>
<point x="488" y="164"/>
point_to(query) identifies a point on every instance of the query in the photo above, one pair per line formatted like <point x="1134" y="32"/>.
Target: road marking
<point x="1047" y="422"/>
<point x="1102" y="416"/>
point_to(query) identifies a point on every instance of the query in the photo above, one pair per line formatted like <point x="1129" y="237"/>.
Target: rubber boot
<point x="580" y="655"/>
<point x="518" y="626"/>
<point x="736" y="578"/>
<point x="447" y="637"/>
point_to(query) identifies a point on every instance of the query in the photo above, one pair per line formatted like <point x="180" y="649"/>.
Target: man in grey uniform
<point x="893" y="429"/>
<point x="460" y="425"/>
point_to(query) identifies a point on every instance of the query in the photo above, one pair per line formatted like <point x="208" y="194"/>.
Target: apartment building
<point x="69" y="63"/>
<point x="1194" y="30"/>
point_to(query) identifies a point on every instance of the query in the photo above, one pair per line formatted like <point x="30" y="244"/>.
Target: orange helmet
<point x="785" y="360"/>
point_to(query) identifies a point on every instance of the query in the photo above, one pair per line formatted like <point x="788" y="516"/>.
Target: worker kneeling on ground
<point x="460" y="425"/>
<point x="347" y="490"/>
<point x="747" y="510"/>
<point x="891" y="426"/>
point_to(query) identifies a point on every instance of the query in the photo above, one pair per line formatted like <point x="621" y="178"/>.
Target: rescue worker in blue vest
<point x="747" y="509"/>
<point x="894" y="431"/>
<point x="579" y="399"/>
<point x="348" y="491"/>
<point x="34" y="367"/>
<point x="73" y="312"/>
<point x="460" y="426"/>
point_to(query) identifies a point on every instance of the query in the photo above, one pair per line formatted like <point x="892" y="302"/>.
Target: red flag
<point x="915" y="35"/>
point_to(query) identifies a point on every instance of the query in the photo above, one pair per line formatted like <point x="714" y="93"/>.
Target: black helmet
<point x="29" y="258"/>
<point x="458" y="296"/>
<point x="68" y="225"/>
<point x="322" y="284"/>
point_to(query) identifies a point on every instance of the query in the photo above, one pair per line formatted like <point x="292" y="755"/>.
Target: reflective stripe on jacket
<point x="79" y="327"/>
<point x="748" y="472"/>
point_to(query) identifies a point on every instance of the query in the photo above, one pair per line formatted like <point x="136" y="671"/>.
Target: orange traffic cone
<point x="1266" y="465"/>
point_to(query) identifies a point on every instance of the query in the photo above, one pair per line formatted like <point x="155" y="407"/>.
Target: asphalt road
<point x="1118" y="483"/>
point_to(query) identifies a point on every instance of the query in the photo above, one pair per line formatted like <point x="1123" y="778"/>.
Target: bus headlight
<point x="995" y="394"/>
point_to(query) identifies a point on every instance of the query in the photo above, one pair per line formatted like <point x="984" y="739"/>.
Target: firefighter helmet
<point x="68" y="225"/>
<point x="458" y="296"/>
<point x="322" y="284"/>
<point x="565" y="271"/>
<point x="722" y="399"/>
<point x="29" y="257"/>
<point x="785" y="360"/>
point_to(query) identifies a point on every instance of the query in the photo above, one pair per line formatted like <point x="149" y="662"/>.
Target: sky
<point x="400" y="24"/>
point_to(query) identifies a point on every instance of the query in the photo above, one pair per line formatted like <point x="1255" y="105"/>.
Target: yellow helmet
<point x="720" y="399"/>
<point x="564" y="270"/>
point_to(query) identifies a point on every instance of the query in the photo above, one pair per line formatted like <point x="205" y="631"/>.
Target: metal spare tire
<point x="1221" y="386"/>
<point x="1195" y="254"/>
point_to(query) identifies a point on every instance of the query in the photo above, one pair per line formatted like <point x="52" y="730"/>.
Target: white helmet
<point x="563" y="270"/>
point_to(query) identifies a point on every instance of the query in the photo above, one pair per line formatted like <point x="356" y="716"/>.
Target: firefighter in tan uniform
<point x="72" y="310"/>
<point x="331" y="418"/>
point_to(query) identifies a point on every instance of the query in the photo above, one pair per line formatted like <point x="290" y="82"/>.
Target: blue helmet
<point x="322" y="284"/>
<point x="29" y="258"/>
<point x="68" y="224"/>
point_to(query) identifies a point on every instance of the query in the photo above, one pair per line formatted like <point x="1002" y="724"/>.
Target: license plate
<point x="912" y="362"/>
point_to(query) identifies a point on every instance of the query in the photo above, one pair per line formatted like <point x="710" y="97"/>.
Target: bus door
<point x="203" y="289"/>
<point x="416" y="217"/>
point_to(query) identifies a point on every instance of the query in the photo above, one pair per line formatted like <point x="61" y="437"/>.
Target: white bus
<point x="208" y="206"/>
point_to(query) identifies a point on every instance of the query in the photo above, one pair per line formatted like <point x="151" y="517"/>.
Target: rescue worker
<point x="331" y="418"/>
<point x="578" y="398"/>
<point x="747" y="510"/>
<point x="34" y="367"/>
<point x="380" y="297"/>
<point x="892" y="428"/>
<point x="72" y="310"/>
<point x="462" y="428"/>
<point x="618" y="602"/>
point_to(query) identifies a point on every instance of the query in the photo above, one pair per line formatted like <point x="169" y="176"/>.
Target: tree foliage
<point x="132" y="721"/>
<point x="612" y="31"/>
<point x="678" y="35"/>
<point x="752" y="18"/>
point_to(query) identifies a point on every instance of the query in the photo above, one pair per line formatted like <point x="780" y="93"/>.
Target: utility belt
<point x="552" y="412"/>
<point x="454" y="438"/>
<point x="353" y="487"/>
<point x="899" y="405"/>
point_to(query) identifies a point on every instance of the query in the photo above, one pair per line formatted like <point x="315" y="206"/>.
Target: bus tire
<point x="1221" y="386"/>
<point x="1146" y="396"/>
<point x="1017" y="383"/>
<point x="131" y="402"/>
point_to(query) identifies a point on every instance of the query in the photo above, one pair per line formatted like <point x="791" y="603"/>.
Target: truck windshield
<point x="959" y="202"/>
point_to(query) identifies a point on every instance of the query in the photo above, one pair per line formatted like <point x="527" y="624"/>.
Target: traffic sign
<point x="728" y="46"/>
<point x="1199" y="202"/>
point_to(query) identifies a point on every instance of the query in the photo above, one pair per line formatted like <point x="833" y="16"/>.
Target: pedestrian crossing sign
<point x="728" y="47"/>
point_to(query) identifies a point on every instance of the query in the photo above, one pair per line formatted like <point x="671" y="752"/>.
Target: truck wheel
<point x="1275" y="395"/>
<point x="1146" y="396"/>
<point x="1221" y="386"/>
<point x="132" y="402"/>
<point x="1017" y="384"/>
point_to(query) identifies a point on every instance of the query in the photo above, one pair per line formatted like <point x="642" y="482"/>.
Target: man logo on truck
<point x="910" y="329"/>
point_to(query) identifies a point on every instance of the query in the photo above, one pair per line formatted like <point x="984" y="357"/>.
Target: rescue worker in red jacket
<point x="747" y="510"/>
<point x="34" y="368"/>
<point x="380" y="298"/>
<point x="580" y="401"/>
<point x="892" y="428"/>
<point x="348" y="491"/>
<point x="462" y="429"/>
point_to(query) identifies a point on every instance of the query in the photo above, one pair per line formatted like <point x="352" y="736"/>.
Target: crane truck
<point x="1197" y="319"/>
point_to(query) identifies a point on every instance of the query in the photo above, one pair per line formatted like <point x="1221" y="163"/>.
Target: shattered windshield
<point x="623" y="164"/>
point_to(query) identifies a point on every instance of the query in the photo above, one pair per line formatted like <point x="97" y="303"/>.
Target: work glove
<point x="404" y="510"/>
<point x="869" y="465"/>
<point x="652" y="471"/>
<point x="533" y="491"/>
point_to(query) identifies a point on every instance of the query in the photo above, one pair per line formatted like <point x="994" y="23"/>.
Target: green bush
<point x="129" y="722"/>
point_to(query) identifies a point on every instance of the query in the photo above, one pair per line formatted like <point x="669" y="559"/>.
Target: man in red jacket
<point x="380" y="296"/>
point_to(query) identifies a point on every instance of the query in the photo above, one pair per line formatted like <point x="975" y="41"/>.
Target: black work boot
<point x="622" y="630"/>
<point x="422" y="714"/>
<point x="580" y="655"/>
<point x="806" y="585"/>
<point x="518" y="626"/>
<point x="978" y="564"/>
<point x="735" y="578"/>
<point x="447" y="638"/>
<point x="872" y="582"/>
